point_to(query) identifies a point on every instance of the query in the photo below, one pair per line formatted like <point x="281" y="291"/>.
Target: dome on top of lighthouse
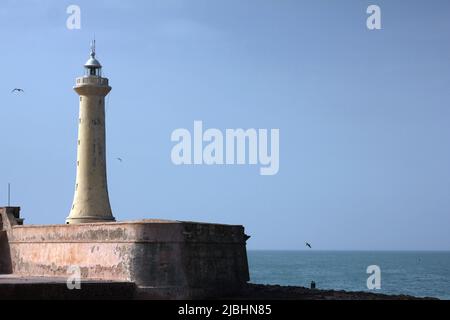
<point x="92" y="62"/>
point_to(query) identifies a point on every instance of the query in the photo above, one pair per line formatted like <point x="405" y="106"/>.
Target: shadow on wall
<point x="5" y="252"/>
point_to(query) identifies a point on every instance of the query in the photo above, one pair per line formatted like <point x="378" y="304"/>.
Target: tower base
<point x="88" y="220"/>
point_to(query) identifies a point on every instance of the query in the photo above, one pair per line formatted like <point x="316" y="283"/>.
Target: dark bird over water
<point x="308" y="245"/>
<point x="17" y="89"/>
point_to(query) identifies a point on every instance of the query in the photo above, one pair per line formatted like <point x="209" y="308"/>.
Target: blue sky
<point x="363" y="115"/>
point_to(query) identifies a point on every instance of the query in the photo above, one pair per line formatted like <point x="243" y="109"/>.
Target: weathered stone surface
<point x="164" y="258"/>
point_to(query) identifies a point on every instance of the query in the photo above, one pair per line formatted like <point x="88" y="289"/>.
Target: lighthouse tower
<point x="91" y="200"/>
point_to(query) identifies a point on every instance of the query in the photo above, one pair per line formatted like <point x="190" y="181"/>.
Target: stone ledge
<point x="43" y="288"/>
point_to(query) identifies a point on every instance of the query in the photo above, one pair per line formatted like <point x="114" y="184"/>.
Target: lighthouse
<point x="91" y="200"/>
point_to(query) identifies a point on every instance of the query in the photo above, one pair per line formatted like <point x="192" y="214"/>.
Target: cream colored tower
<point x="91" y="200"/>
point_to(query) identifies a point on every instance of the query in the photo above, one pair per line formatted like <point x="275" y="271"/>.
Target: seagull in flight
<point x="17" y="90"/>
<point x="308" y="245"/>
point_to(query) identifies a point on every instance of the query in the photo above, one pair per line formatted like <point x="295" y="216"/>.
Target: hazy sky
<point x="363" y="115"/>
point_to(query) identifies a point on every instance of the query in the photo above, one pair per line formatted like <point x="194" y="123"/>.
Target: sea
<point x="420" y="274"/>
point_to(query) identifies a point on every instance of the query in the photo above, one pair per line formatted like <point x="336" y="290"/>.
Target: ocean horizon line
<point x="355" y="250"/>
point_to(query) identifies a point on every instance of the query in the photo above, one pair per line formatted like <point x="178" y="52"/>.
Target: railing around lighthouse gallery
<point x="92" y="80"/>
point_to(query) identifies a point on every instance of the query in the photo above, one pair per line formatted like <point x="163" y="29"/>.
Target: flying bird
<point x="120" y="159"/>
<point x="17" y="89"/>
<point x="308" y="245"/>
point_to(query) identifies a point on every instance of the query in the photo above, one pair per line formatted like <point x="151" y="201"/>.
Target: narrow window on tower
<point x="81" y="98"/>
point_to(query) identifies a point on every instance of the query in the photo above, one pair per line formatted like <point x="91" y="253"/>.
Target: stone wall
<point x="169" y="258"/>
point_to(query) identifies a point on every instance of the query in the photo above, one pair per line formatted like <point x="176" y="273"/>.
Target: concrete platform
<point x="164" y="259"/>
